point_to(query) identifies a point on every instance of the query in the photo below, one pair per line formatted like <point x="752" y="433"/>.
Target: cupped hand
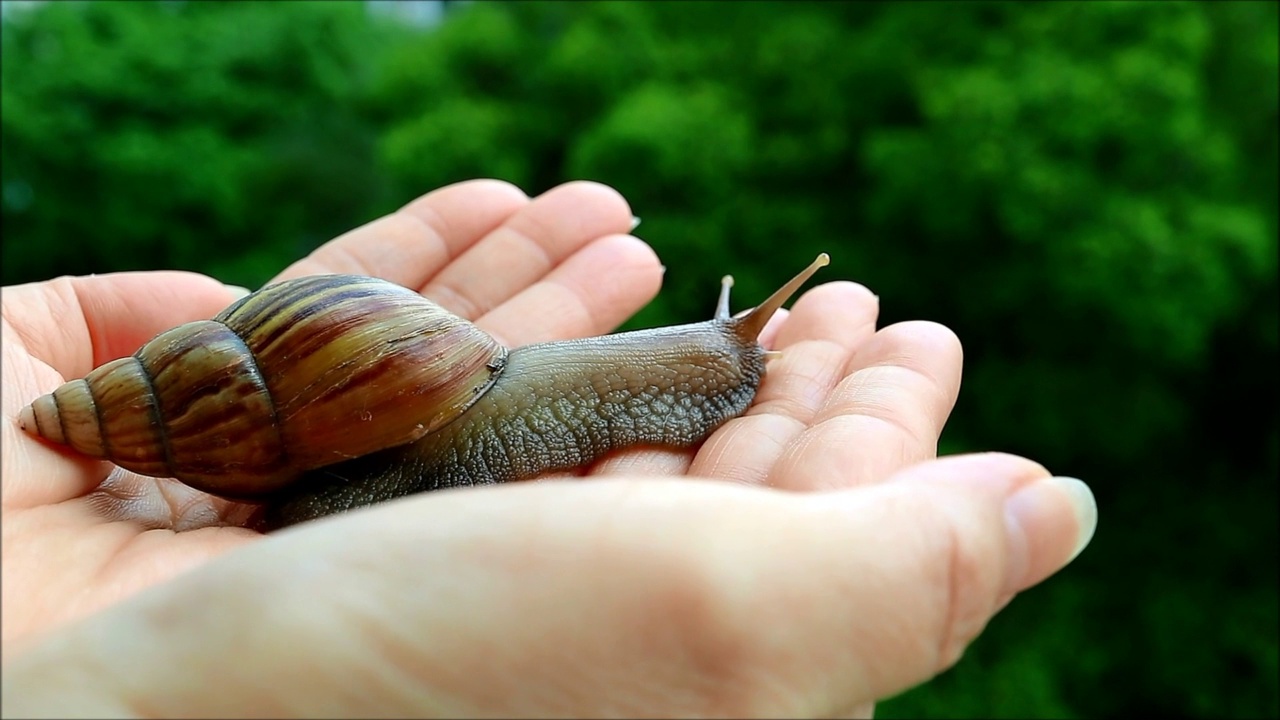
<point x="634" y="594"/>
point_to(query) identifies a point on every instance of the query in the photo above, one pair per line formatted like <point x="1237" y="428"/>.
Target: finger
<point x="411" y="245"/>
<point x="826" y="325"/>
<point x="527" y="246"/>
<point x="652" y="461"/>
<point x="968" y="555"/>
<point x="73" y="324"/>
<point x="817" y="341"/>
<point x="867" y="593"/>
<point x="886" y="414"/>
<point x="841" y="312"/>
<point x="590" y="293"/>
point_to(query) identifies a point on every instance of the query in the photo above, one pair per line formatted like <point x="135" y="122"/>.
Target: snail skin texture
<point x="321" y="394"/>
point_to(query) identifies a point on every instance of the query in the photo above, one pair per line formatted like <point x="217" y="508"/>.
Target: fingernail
<point x="237" y="290"/>
<point x="1031" y="510"/>
<point x="1086" y="509"/>
<point x="635" y="223"/>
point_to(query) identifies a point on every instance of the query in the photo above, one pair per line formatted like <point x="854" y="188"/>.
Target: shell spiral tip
<point x="27" y="419"/>
<point x="42" y="419"/>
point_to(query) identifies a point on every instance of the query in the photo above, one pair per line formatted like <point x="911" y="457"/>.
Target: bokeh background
<point x="1085" y="192"/>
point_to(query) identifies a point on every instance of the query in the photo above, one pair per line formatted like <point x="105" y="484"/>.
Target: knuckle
<point x="965" y="577"/>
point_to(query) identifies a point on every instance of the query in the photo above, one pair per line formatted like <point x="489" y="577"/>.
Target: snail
<point x="325" y="393"/>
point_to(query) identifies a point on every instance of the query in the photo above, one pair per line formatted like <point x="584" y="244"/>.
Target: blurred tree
<point x="219" y="137"/>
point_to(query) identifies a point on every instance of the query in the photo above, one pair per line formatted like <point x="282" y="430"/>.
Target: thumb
<point x="61" y="329"/>
<point x="74" y="324"/>
<point x="601" y="598"/>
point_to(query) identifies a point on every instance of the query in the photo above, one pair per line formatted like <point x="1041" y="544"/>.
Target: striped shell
<point x="295" y="376"/>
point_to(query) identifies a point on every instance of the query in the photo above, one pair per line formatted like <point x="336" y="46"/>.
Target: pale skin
<point x="841" y="562"/>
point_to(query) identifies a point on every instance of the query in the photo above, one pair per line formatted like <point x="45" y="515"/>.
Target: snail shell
<point x="299" y="375"/>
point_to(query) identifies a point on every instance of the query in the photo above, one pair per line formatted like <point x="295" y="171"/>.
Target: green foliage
<point x="1085" y="192"/>
<point x="182" y="135"/>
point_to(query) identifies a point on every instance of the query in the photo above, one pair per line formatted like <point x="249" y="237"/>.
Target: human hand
<point x="701" y="598"/>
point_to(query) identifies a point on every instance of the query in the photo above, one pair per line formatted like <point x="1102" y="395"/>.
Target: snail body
<point x="322" y="394"/>
<point x="557" y="406"/>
